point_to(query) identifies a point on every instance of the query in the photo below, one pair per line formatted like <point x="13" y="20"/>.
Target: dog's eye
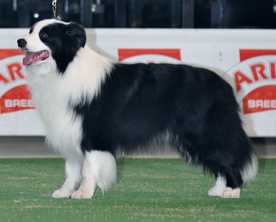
<point x="44" y="36"/>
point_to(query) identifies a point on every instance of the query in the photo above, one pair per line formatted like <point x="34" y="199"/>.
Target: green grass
<point x="148" y="190"/>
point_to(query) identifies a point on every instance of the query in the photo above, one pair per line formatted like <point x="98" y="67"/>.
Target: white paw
<point x="216" y="191"/>
<point x="61" y="193"/>
<point x="81" y="194"/>
<point x="231" y="193"/>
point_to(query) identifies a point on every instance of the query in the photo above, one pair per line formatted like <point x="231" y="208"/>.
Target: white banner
<point x="248" y="57"/>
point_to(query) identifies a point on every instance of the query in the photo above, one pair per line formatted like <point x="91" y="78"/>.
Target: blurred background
<point x="145" y="13"/>
<point x="179" y="14"/>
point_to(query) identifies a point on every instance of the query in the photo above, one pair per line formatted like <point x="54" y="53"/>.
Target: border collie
<point x="92" y="107"/>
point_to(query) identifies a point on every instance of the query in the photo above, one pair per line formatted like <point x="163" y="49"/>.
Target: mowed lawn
<point x="147" y="190"/>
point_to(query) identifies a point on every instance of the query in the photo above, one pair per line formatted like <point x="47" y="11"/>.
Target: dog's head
<point x="52" y="41"/>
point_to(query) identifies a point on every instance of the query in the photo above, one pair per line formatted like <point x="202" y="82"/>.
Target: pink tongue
<point x="34" y="57"/>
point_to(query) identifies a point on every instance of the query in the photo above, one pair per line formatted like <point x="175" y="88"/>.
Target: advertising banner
<point x="17" y="113"/>
<point x="245" y="57"/>
<point x="255" y="87"/>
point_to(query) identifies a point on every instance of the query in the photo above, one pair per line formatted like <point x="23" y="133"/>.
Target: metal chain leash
<point x="54" y="7"/>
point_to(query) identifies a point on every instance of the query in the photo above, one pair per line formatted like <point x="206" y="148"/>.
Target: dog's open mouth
<point x="34" y="57"/>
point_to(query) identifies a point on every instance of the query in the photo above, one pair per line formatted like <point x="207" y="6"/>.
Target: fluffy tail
<point x="250" y="170"/>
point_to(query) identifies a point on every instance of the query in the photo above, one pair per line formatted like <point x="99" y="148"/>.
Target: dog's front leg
<point x="72" y="179"/>
<point x="99" y="169"/>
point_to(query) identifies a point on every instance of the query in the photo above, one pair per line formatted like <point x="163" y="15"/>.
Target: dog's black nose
<point x="21" y="43"/>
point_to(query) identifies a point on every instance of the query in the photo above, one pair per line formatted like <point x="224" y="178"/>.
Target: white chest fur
<point x="63" y="127"/>
<point x="54" y="94"/>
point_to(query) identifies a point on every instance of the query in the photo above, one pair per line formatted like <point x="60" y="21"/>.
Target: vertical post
<point x="176" y="13"/>
<point x="135" y="11"/>
<point x="188" y="13"/>
<point x="14" y="5"/>
<point x="24" y="13"/>
<point x="120" y="13"/>
<point x="86" y="13"/>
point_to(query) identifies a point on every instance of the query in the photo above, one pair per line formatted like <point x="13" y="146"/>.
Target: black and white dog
<point x="92" y="106"/>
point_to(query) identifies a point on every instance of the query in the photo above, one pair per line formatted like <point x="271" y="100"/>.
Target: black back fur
<point x="139" y="102"/>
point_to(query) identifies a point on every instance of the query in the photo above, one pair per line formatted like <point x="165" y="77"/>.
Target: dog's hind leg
<point x="72" y="178"/>
<point x="99" y="169"/>
<point x="238" y="177"/>
<point x="219" y="187"/>
<point x="227" y="184"/>
<point x="228" y="173"/>
<point x="234" y="184"/>
<point x="225" y="148"/>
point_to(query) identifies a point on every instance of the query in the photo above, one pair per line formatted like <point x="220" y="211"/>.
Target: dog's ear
<point x="76" y="32"/>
